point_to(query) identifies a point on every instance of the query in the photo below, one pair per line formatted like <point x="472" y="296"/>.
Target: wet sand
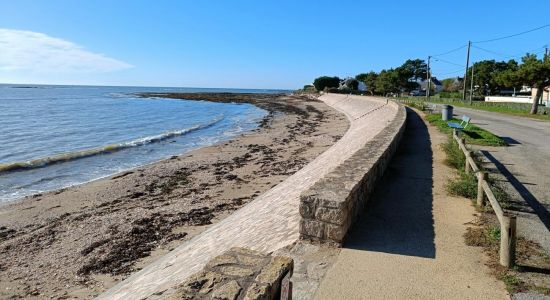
<point x="78" y="242"/>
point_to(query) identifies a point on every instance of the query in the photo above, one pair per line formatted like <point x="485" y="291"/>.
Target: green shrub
<point x="464" y="186"/>
<point x="455" y="156"/>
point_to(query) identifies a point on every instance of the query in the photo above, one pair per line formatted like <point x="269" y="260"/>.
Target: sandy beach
<point x="80" y="241"/>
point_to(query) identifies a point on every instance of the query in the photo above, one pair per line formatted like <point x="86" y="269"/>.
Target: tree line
<point x="490" y="78"/>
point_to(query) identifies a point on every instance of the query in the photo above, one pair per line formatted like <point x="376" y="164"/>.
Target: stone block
<point x="228" y="291"/>
<point x="336" y="233"/>
<point x="274" y="271"/>
<point x="259" y="292"/>
<point x="252" y="261"/>
<point x="236" y="271"/>
<point x="221" y="260"/>
<point x="331" y="215"/>
<point x="202" y="283"/>
<point x="307" y="208"/>
<point x="312" y="228"/>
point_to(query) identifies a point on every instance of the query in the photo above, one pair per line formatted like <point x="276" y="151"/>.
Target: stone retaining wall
<point x="331" y="205"/>
<point x="239" y="273"/>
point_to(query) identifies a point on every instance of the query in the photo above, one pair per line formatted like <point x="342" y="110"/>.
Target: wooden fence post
<point x="508" y="241"/>
<point x="481" y="176"/>
<point x="467" y="166"/>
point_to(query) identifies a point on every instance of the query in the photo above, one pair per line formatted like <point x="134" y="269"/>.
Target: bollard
<point x="480" y="193"/>
<point x="508" y="241"/>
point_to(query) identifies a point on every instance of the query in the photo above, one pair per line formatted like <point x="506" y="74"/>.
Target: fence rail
<point x="507" y="221"/>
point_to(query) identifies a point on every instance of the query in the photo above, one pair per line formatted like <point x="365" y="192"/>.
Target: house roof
<point x="434" y="82"/>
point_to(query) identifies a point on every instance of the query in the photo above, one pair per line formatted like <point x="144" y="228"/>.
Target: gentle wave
<point x="42" y="162"/>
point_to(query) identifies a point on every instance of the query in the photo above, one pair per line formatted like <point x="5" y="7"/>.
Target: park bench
<point x="461" y="125"/>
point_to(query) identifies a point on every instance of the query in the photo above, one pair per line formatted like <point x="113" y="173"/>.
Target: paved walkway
<point x="270" y="221"/>
<point x="525" y="164"/>
<point x="410" y="245"/>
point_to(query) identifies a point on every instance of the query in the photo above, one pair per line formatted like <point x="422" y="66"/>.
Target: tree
<point x="532" y="72"/>
<point x="414" y="70"/>
<point x="452" y="84"/>
<point x="410" y="73"/>
<point x="387" y="82"/>
<point x="323" y="82"/>
<point x="486" y="74"/>
<point x="369" y="79"/>
<point x="351" y="83"/>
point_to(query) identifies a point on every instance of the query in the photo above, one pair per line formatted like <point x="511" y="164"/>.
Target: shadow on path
<point x="399" y="216"/>
<point x="539" y="209"/>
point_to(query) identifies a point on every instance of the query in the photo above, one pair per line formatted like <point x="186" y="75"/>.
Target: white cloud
<point x="37" y="52"/>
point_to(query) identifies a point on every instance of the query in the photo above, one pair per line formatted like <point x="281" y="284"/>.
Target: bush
<point x="455" y="156"/>
<point x="465" y="186"/>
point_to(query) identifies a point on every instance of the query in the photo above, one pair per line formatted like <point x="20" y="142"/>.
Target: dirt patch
<point x="532" y="270"/>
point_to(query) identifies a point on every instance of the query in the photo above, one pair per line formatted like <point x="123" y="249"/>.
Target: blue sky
<point x="250" y="44"/>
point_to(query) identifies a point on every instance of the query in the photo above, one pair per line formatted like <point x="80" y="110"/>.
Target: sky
<point x="281" y="44"/>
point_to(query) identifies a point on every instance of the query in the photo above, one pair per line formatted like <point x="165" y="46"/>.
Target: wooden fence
<point x="507" y="221"/>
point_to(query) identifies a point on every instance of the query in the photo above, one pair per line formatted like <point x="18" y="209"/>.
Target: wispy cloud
<point x="37" y="52"/>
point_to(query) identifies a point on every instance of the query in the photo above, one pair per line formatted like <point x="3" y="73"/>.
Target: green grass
<point x="455" y="156"/>
<point x="512" y="282"/>
<point x="509" y="108"/>
<point x="472" y="134"/>
<point x="494" y="235"/>
<point x="464" y="186"/>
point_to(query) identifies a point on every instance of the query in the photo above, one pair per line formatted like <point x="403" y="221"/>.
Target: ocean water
<point x="58" y="136"/>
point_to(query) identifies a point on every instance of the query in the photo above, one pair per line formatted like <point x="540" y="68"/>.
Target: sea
<point x="53" y="137"/>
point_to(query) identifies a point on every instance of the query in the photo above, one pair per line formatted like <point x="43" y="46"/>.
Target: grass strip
<point x="509" y="108"/>
<point x="472" y="134"/>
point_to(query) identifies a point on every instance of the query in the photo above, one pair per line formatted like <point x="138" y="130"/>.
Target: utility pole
<point x="466" y="71"/>
<point x="472" y="84"/>
<point x="428" y="80"/>
<point x="545" y="52"/>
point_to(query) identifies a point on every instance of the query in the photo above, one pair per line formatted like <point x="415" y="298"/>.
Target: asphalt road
<point x="526" y="165"/>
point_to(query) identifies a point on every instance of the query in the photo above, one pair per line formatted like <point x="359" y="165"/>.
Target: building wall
<point x="545" y="94"/>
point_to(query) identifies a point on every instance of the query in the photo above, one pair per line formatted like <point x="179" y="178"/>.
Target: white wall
<point x="518" y="99"/>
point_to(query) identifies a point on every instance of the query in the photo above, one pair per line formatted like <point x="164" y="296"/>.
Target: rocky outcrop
<point x="238" y="274"/>
<point x="332" y="204"/>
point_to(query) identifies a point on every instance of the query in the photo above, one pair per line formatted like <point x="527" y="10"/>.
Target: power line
<point x="453" y="72"/>
<point x="449" y="62"/>
<point x="512" y="35"/>
<point x="506" y="56"/>
<point x="489" y="51"/>
<point x="450" y="51"/>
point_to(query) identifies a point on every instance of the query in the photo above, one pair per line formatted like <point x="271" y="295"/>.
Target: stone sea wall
<point x="330" y="207"/>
